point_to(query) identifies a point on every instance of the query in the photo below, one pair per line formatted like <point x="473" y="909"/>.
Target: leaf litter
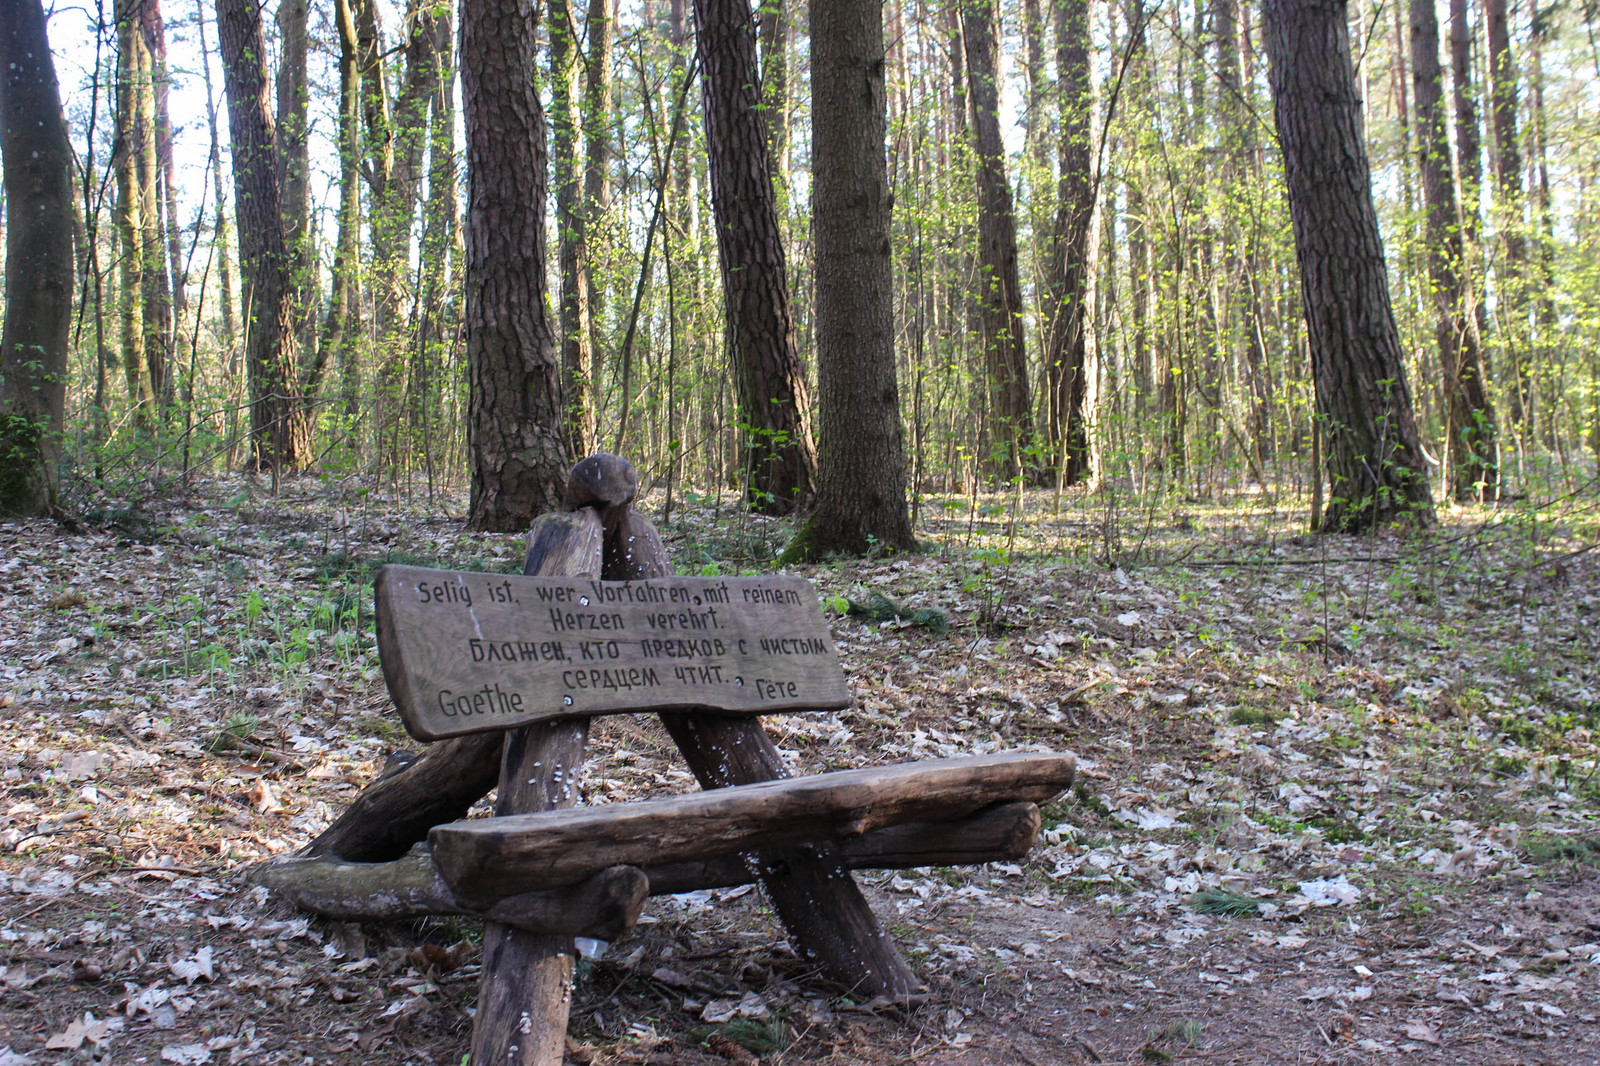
<point x="1377" y="759"/>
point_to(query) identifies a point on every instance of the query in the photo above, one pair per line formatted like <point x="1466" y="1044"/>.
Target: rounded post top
<point x="602" y="480"/>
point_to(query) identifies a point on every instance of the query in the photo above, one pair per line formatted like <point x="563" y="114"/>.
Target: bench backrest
<point x="464" y="652"/>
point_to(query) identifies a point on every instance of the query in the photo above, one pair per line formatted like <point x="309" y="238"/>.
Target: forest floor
<point x="1338" y="798"/>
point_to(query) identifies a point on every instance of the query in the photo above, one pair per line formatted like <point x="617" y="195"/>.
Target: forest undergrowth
<point x="1339" y="798"/>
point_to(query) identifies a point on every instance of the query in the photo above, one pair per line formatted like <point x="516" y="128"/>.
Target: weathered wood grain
<point x="603" y="481"/>
<point x="999" y="833"/>
<point x="467" y="652"/>
<point x="484" y="860"/>
<point x="605" y="906"/>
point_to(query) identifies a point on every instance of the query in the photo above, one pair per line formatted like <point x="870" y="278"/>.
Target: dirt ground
<point x="1338" y="798"/>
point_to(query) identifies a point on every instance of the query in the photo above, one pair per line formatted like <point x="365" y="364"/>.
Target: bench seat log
<point x="999" y="833"/>
<point x="487" y="859"/>
<point x="605" y="906"/>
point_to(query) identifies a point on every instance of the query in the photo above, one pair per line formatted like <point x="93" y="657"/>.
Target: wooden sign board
<point x="468" y="652"/>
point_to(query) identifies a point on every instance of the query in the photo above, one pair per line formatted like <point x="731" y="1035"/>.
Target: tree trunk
<point x="441" y="256"/>
<point x="571" y="229"/>
<point x="1508" y="206"/>
<point x="1374" y="461"/>
<point x="600" y="25"/>
<point x="1542" y="222"/>
<point x="395" y="139"/>
<point x="176" y="304"/>
<point x="774" y="31"/>
<point x="1469" y="421"/>
<point x="1000" y="295"/>
<point x="158" y="346"/>
<point x="341" y="328"/>
<point x="294" y="170"/>
<point x="135" y="133"/>
<point x="515" y="420"/>
<point x="773" y="400"/>
<point x="861" y="479"/>
<point x="219" y="230"/>
<point x="277" y="430"/>
<point x="1070" y="276"/>
<point x="38" y="306"/>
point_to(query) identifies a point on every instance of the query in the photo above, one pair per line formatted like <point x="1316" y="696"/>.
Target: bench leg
<point x="817" y="900"/>
<point x="525" y="994"/>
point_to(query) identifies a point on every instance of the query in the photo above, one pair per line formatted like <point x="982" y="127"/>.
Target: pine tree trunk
<point x="1000" y="295"/>
<point x="600" y="26"/>
<point x="1543" y="221"/>
<point x="441" y="227"/>
<point x="1070" y="276"/>
<point x="571" y="228"/>
<point x="861" y="496"/>
<point x="1374" y="461"/>
<point x="1508" y="205"/>
<point x="294" y="169"/>
<point x="773" y="400"/>
<point x="516" y="435"/>
<point x="1469" y="419"/>
<point x="172" y="267"/>
<point x="133" y="135"/>
<point x="38" y="292"/>
<point x="277" y="429"/>
<point x="219" y="225"/>
<point x="341" y="328"/>
<point x="158" y="338"/>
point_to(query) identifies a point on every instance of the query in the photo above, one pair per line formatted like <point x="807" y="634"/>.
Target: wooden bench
<point x="503" y="674"/>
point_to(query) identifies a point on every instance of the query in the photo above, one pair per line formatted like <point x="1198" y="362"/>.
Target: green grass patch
<point x="1226" y="903"/>
<point x="1255" y="716"/>
<point x="880" y="608"/>
<point x="759" y="1036"/>
<point x="1582" y="849"/>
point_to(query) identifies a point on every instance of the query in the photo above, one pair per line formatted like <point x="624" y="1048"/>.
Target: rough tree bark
<point x="38" y="294"/>
<point x="515" y="420"/>
<point x="219" y="231"/>
<point x="600" y="26"/>
<point x="1372" y="455"/>
<point x="294" y="168"/>
<point x="1469" y="422"/>
<point x="277" y="431"/>
<point x="1508" y="207"/>
<point x="1000" y="298"/>
<point x="861" y="476"/>
<point x="571" y="228"/>
<point x="773" y="400"/>
<point x="1069" y="281"/>
<point x="165" y="299"/>
<point x="134" y="160"/>
<point x="341" y="328"/>
<point x="440" y="245"/>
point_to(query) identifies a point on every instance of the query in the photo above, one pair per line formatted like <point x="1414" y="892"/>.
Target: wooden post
<point x="525" y="994"/>
<point x="817" y="900"/>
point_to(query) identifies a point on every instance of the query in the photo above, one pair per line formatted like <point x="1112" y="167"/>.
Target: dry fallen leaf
<point x="190" y="970"/>
<point x="88" y="1028"/>
<point x="1422" y="1031"/>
